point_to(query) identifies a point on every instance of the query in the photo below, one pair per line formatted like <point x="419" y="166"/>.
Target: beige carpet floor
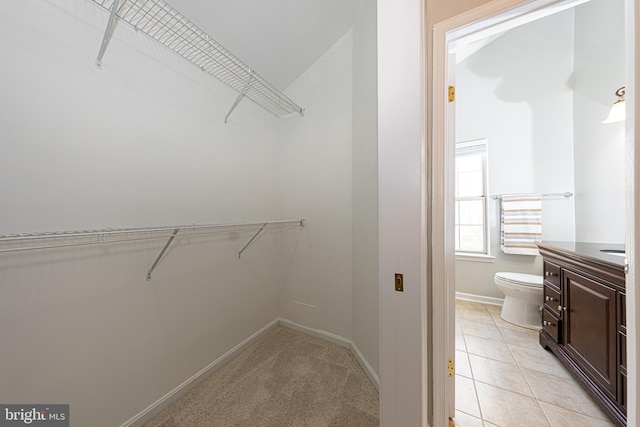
<point x="286" y="378"/>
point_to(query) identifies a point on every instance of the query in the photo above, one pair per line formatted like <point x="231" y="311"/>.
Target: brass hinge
<point x="450" y="368"/>
<point x="452" y="93"/>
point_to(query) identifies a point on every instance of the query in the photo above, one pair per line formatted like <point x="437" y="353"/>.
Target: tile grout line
<point x="533" y="393"/>
<point x="530" y="387"/>
<point x="475" y="389"/>
<point x="473" y="380"/>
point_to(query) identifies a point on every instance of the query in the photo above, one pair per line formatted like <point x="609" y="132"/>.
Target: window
<point x="471" y="197"/>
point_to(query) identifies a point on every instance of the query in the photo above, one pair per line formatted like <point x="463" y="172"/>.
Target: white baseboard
<point x="317" y="333"/>
<point x="479" y="298"/>
<point x="175" y="394"/>
<point x="364" y="364"/>
<point x="338" y="340"/>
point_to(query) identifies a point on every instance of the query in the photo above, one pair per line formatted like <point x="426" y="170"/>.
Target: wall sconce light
<point x="617" y="113"/>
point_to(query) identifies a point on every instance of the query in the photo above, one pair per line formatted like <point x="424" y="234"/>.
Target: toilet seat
<point x="522" y="279"/>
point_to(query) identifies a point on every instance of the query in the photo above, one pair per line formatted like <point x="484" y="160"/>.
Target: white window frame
<point x="471" y="147"/>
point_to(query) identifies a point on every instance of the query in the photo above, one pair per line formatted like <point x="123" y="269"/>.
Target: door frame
<point x="498" y="15"/>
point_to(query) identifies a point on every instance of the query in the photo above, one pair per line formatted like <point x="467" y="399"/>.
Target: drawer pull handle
<point x="548" y="298"/>
<point x="550" y="273"/>
<point x="545" y="323"/>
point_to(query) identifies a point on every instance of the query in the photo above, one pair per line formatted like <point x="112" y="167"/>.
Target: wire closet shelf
<point x="68" y="239"/>
<point x="163" y="23"/>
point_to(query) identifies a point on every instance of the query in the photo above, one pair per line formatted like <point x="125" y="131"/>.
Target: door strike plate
<point x="450" y="368"/>
<point x="399" y="283"/>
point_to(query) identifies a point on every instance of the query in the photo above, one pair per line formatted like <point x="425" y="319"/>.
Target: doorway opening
<point x="485" y="22"/>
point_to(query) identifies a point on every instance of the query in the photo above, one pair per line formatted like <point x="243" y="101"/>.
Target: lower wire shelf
<point x="67" y="239"/>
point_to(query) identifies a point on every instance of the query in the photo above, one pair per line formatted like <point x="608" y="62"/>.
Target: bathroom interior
<point x="541" y="117"/>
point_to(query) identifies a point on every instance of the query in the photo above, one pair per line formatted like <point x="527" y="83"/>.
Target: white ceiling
<point x="278" y="39"/>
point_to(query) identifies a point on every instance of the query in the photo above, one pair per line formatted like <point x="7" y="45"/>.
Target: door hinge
<point x="450" y="368"/>
<point x="452" y="93"/>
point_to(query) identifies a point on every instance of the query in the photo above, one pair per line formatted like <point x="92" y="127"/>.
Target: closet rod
<point x="500" y="196"/>
<point x="161" y="22"/>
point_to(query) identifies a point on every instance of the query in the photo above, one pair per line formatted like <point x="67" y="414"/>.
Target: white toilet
<point x="522" y="298"/>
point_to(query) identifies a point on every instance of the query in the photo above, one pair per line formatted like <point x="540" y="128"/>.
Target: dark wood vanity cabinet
<point x="584" y="324"/>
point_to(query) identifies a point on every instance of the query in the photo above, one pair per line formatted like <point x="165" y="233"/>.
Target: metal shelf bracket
<point x="255" y="236"/>
<point x="164" y="249"/>
<point x="240" y="96"/>
<point x="252" y="239"/>
<point x="107" y="33"/>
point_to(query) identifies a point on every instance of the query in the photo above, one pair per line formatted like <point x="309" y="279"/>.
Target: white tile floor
<point x="505" y="378"/>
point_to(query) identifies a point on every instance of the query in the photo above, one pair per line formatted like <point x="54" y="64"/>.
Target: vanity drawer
<point x="551" y="324"/>
<point x="552" y="273"/>
<point x="552" y="299"/>
<point x="622" y="388"/>
<point x="622" y="311"/>
<point x="623" y="349"/>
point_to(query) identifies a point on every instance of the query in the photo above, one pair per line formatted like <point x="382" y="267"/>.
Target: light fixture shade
<point x="617" y="113"/>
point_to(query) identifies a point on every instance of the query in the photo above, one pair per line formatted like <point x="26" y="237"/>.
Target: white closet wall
<point x="315" y="183"/>
<point x="366" y="307"/>
<point x="328" y="174"/>
<point x="400" y="94"/>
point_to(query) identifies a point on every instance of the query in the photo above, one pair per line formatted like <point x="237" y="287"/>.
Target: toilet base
<point x="522" y="313"/>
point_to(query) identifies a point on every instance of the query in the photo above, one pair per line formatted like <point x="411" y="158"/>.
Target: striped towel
<point x="521" y="224"/>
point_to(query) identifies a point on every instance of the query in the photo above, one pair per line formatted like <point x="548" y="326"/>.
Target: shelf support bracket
<point x="252" y="239"/>
<point x="164" y="249"/>
<point x="107" y="33"/>
<point x="239" y="98"/>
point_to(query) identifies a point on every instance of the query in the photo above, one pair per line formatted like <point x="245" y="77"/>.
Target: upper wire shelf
<point x="163" y="23"/>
